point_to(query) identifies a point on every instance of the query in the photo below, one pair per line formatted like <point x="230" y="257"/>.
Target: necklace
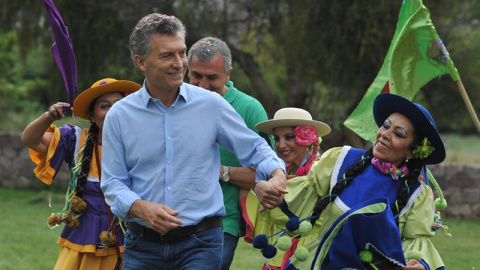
<point x="391" y="169"/>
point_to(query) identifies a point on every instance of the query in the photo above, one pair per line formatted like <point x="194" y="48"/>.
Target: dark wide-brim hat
<point x="292" y="117"/>
<point x="101" y="87"/>
<point x="386" y="104"/>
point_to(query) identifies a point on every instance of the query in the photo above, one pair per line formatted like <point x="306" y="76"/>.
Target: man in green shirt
<point x="210" y="67"/>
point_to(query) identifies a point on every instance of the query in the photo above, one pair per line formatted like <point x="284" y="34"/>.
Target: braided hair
<point x="414" y="167"/>
<point x="86" y="159"/>
<point x="349" y="175"/>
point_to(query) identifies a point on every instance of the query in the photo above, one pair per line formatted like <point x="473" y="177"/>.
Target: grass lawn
<point x="462" y="149"/>
<point x="26" y="242"/>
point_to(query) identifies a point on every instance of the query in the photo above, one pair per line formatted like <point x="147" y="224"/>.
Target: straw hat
<point x="386" y="104"/>
<point x="101" y="87"/>
<point x="292" y="117"/>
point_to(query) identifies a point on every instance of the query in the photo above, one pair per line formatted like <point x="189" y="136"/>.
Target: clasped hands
<point x="270" y="193"/>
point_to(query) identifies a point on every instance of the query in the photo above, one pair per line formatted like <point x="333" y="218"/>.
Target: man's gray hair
<point x="149" y="25"/>
<point x="206" y="48"/>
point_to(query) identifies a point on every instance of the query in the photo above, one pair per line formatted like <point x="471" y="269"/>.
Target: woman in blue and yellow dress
<point x="376" y="205"/>
<point x="92" y="237"/>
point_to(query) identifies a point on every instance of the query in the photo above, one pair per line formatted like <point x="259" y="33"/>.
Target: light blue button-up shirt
<point x="170" y="155"/>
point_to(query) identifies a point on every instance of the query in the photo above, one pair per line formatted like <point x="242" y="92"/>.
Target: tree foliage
<point x="316" y="54"/>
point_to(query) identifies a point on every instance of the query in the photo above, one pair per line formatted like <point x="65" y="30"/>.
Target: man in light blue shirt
<point x="161" y="161"/>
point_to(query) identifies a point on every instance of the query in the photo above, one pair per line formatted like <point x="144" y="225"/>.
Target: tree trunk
<point x="250" y="67"/>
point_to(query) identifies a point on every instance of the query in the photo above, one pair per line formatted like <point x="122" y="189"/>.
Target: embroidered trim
<point x="92" y="179"/>
<point x="385" y="256"/>
<point x="340" y="204"/>
<point x="411" y="200"/>
<point x="338" y="165"/>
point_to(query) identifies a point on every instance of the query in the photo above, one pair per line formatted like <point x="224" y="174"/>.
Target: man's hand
<point x="270" y="193"/>
<point x="158" y="216"/>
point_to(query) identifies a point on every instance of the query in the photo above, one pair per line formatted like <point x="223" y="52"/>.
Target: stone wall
<point x="460" y="182"/>
<point x="461" y="187"/>
<point x="16" y="168"/>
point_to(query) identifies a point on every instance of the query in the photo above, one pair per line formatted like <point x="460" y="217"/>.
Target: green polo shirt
<point x="252" y="112"/>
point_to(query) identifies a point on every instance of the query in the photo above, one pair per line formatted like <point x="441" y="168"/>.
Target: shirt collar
<point x="146" y="97"/>
<point x="232" y="92"/>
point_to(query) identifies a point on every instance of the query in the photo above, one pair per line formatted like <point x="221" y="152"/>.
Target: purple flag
<point x="62" y="50"/>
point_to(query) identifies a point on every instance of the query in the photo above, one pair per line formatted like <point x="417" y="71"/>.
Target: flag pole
<point x="456" y="78"/>
<point x="470" y="109"/>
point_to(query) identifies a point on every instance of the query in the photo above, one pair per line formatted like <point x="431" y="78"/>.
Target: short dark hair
<point x="149" y="25"/>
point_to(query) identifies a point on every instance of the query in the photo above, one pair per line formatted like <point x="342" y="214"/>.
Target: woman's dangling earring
<point x="406" y="160"/>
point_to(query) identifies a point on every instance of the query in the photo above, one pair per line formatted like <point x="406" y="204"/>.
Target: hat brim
<point x="82" y="102"/>
<point x="386" y="104"/>
<point x="268" y="126"/>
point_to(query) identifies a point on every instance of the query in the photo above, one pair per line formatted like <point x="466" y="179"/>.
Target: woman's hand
<point x="35" y="135"/>
<point x="414" y="265"/>
<point x="55" y="112"/>
<point x="270" y="193"/>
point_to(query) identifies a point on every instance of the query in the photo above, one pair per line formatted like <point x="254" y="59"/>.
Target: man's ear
<point x="227" y="78"/>
<point x="139" y="62"/>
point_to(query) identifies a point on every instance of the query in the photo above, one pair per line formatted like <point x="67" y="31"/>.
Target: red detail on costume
<point x="249" y="231"/>
<point x="386" y="89"/>
<point x="289" y="253"/>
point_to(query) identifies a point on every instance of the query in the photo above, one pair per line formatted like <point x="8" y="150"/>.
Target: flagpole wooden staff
<point x="470" y="108"/>
<point x="456" y="78"/>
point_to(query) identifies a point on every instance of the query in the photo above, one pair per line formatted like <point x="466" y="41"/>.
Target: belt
<point x="182" y="232"/>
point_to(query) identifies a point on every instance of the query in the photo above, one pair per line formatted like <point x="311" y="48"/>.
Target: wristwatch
<point x="226" y="174"/>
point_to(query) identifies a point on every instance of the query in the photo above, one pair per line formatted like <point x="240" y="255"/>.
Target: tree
<point x="316" y="54"/>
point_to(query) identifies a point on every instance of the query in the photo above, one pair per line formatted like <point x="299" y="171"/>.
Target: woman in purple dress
<point x="92" y="237"/>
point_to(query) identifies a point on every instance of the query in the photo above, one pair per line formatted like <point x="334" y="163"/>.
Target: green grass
<point x="26" y="242"/>
<point x="462" y="149"/>
<point x="460" y="250"/>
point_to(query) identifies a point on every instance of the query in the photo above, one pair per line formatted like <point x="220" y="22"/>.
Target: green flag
<point x="416" y="56"/>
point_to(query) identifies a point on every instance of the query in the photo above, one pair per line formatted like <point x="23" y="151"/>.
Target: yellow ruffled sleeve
<point x="304" y="191"/>
<point x="44" y="171"/>
<point x="416" y="228"/>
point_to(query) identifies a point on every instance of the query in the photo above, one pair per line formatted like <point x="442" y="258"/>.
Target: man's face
<point x="166" y="64"/>
<point x="209" y="74"/>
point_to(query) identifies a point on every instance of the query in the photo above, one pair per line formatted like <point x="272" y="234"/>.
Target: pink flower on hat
<point x="306" y="135"/>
